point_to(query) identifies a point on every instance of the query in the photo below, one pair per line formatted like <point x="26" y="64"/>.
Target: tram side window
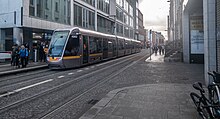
<point x="99" y="44"/>
<point x="72" y="47"/>
<point x="110" y="47"/>
<point x="105" y="45"/>
<point x="121" y="46"/>
<point x="114" y="44"/>
<point x="92" y="45"/>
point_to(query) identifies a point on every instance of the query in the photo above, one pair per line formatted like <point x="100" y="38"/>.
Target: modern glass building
<point x="33" y="21"/>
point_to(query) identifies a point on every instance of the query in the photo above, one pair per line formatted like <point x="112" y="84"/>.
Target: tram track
<point x="54" y="89"/>
<point x="11" y="81"/>
<point x="93" y="86"/>
<point x="20" y="80"/>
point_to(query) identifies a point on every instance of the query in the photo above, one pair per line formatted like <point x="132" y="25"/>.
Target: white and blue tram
<point x="76" y="47"/>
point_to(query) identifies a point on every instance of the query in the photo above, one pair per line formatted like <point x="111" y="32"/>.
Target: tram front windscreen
<point x="57" y="43"/>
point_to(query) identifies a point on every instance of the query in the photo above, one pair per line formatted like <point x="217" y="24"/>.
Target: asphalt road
<point x="67" y="94"/>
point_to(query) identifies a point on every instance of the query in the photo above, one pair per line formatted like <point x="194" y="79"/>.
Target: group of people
<point x="159" y="48"/>
<point x="20" y="55"/>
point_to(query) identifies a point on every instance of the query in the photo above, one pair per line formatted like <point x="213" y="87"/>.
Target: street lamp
<point x="150" y="42"/>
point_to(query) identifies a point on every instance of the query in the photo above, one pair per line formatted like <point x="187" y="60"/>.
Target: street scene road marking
<point x="70" y="73"/>
<point x="93" y="67"/>
<point x="60" y="77"/>
<point x="30" y="86"/>
<point x="86" y="68"/>
<point x="79" y="70"/>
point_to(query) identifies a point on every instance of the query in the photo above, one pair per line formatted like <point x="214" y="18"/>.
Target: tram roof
<point x="86" y="31"/>
<point x="96" y="33"/>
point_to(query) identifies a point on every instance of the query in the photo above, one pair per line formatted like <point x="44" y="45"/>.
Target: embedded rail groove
<point x="38" y="95"/>
<point x="45" y="116"/>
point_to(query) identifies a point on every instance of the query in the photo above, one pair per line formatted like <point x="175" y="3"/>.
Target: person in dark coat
<point x="41" y="52"/>
<point x="14" y="53"/>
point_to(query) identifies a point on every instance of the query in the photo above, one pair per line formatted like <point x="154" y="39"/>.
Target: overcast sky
<point x="155" y="14"/>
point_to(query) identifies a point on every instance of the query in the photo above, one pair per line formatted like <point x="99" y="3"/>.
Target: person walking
<point x="163" y="49"/>
<point x="160" y="49"/>
<point x="155" y="49"/>
<point x="13" y="55"/>
<point x="17" y="57"/>
<point x="23" y="54"/>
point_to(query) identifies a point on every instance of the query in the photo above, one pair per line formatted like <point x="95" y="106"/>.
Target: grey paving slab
<point x="139" y="103"/>
<point x="168" y="99"/>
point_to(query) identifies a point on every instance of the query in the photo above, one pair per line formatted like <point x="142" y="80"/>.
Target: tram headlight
<point x="53" y="59"/>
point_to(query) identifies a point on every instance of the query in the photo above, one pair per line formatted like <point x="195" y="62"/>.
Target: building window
<point x="104" y="25"/>
<point x="126" y="30"/>
<point x="46" y="4"/>
<point x="131" y="22"/>
<point x="119" y="29"/>
<point x="56" y="7"/>
<point x="31" y="2"/>
<point x="60" y="13"/>
<point x="39" y="9"/>
<point x="91" y="2"/>
<point x="103" y="5"/>
<point x="126" y="5"/>
<point x="119" y="14"/>
<point x="77" y="15"/>
<point x="85" y="18"/>
<point x="91" y="20"/>
<point x="131" y="11"/>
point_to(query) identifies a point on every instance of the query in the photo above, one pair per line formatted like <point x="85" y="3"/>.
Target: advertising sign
<point x="196" y="35"/>
<point x="5" y="55"/>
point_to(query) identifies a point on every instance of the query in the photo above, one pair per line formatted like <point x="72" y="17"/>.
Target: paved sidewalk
<point x="151" y="101"/>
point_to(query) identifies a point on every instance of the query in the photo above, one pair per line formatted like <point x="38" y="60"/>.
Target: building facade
<point x="33" y="21"/>
<point x="141" y="30"/>
<point x="200" y="32"/>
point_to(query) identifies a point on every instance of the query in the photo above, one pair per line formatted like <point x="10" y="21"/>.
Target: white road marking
<point x="60" y="77"/>
<point x="30" y="86"/>
<point x="92" y="66"/>
<point x="70" y="73"/>
<point x="86" y="68"/>
<point x="79" y="70"/>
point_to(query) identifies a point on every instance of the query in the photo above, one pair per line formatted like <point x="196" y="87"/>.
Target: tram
<point x="76" y="47"/>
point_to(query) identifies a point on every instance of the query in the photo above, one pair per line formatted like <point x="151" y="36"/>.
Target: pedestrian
<point x="163" y="49"/>
<point x="27" y="56"/>
<point x="13" y="55"/>
<point x="41" y="52"/>
<point x="46" y="46"/>
<point x="27" y="53"/>
<point x="155" y="48"/>
<point x="160" y="49"/>
<point x="23" y="54"/>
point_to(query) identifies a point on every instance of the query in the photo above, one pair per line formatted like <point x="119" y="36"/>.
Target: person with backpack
<point x="23" y="53"/>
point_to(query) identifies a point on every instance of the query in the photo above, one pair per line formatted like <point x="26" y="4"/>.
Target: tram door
<point x="114" y="48"/>
<point x="105" y="48"/>
<point x="85" y="50"/>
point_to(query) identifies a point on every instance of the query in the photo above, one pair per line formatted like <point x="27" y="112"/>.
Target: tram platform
<point x="7" y="69"/>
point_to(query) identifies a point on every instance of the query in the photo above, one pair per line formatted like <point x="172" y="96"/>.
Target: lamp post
<point x="150" y="42"/>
